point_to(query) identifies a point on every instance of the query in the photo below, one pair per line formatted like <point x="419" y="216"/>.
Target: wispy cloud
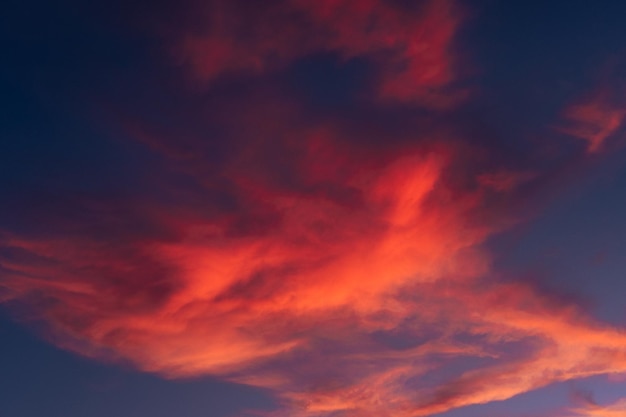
<point x="412" y="47"/>
<point x="591" y="409"/>
<point x="594" y="120"/>
<point x="337" y="259"/>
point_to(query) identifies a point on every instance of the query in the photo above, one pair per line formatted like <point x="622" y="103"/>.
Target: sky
<point x="313" y="208"/>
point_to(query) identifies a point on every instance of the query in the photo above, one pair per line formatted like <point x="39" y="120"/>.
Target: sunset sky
<point x="313" y="208"/>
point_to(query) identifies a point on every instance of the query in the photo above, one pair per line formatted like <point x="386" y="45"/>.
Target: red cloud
<point x="617" y="409"/>
<point x="342" y="267"/>
<point x="319" y="256"/>
<point x="412" y="46"/>
<point x="302" y="286"/>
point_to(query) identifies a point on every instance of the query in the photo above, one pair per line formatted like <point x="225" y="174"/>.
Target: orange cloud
<point x="617" y="409"/>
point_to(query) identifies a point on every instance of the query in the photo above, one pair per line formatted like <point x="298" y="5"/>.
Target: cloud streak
<point x="594" y="120"/>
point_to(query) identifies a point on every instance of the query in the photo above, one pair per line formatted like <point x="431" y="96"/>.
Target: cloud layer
<point x="335" y="255"/>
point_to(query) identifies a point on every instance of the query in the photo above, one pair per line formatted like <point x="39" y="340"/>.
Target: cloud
<point x="335" y="257"/>
<point x="412" y="47"/>
<point x="222" y="275"/>
<point x="344" y="276"/>
<point x="594" y="120"/>
<point x="590" y="409"/>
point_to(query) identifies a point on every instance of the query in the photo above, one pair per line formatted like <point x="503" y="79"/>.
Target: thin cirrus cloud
<point x="343" y="268"/>
<point x="595" y="119"/>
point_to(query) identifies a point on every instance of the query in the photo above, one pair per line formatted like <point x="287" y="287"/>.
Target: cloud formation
<point x="411" y="45"/>
<point x="591" y="409"/>
<point x="335" y="257"/>
<point x="594" y="120"/>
